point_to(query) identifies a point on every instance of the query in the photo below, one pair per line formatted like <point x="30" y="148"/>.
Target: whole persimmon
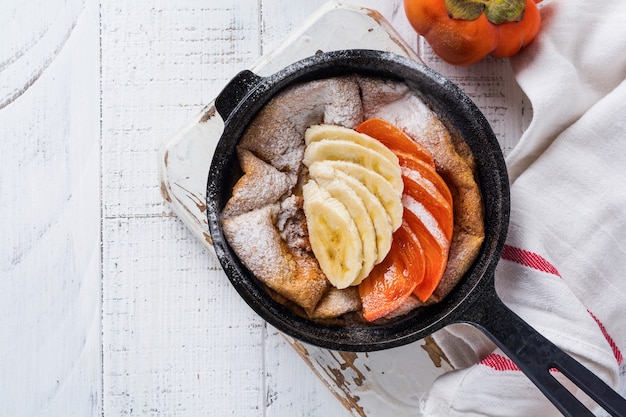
<point x="463" y="32"/>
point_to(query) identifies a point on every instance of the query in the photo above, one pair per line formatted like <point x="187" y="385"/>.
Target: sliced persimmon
<point x="394" y="138"/>
<point x="427" y="171"/>
<point x="411" y="247"/>
<point x="435" y="253"/>
<point x="427" y="216"/>
<point x="431" y="199"/>
<point x="393" y="280"/>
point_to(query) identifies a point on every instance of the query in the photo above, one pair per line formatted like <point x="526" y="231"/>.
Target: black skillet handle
<point x="235" y="92"/>
<point x="535" y="356"/>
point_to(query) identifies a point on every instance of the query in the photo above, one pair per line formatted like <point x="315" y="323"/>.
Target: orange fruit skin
<point x="428" y="172"/>
<point x="435" y="256"/>
<point x="394" y="139"/>
<point x="466" y="42"/>
<point x="393" y="280"/>
<point x="513" y="36"/>
<point x="434" y="203"/>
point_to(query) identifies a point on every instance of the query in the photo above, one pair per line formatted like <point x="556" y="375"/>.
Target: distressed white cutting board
<point x="389" y="382"/>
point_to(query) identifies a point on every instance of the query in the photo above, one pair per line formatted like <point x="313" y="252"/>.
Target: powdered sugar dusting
<point x="418" y="178"/>
<point x="426" y="218"/>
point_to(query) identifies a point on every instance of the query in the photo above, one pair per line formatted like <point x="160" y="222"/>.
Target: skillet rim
<point x="445" y="98"/>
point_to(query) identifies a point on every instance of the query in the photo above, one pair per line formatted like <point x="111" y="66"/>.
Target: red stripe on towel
<point x="529" y="259"/>
<point x="499" y="363"/>
<point x="538" y="262"/>
<point x="607" y="336"/>
<point x="502" y="363"/>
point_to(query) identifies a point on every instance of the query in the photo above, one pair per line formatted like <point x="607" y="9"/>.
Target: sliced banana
<point x="377" y="185"/>
<point x="325" y="177"/>
<point x="333" y="132"/>
<point x="353" y="194"/>
<point x="344" y="150"/>
<point x="378" y="214"/>
<point x="334" y="236"/>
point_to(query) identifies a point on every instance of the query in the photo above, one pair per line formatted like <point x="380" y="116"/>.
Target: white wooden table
<point x="109" y="305"/>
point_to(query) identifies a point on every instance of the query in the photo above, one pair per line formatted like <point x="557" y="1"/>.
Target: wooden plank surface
<point x="50" y="280"/>
<point x="130" y="315"/>
<point x="177" y="341"/>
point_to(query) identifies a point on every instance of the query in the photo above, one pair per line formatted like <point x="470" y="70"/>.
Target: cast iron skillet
<point x="474" y="300"/>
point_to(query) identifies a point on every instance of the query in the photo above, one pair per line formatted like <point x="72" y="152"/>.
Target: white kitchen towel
<point x="563" y="269"/>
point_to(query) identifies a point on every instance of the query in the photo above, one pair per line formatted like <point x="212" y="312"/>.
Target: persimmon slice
<point x="393" y="280"/>
<point x="427" y="171"/>
<point x="413" y="253"/>
<point x="435" y="254"/>
<point x="432" y="201"/>
<point x="394" y="138"/>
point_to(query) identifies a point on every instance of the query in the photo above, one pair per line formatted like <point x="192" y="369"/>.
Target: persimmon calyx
<point x="496" y="11"/>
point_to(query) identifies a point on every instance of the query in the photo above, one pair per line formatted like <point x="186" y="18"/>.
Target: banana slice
<point x="377" y="185"/>
<point x="333" y="132"/>
<point x="343" y="150"/>
<point x="378" y="214"/>
<point x="334" y="236"/>
<point x="325" y="177"/>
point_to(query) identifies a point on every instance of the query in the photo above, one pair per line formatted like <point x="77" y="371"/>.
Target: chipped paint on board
<point x="333" y="373"/>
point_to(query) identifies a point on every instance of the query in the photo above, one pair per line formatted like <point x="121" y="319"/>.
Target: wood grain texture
<point x="177" y="339"/>
<point x="33" y="36"/>
<point x="50" y="276"/>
